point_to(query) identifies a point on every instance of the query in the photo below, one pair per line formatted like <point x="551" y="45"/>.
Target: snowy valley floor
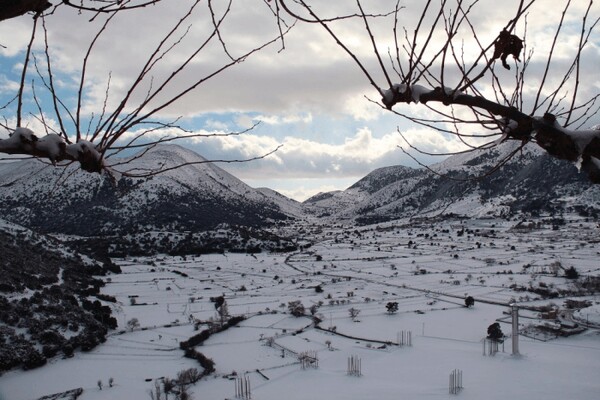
<point x="427" y="269"/>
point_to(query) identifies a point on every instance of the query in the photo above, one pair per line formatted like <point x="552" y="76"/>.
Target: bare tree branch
<point x="433" y="52"/>
<point x="91" y="140"/>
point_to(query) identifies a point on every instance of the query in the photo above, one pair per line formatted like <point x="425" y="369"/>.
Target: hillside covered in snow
<point x="485" y="183"/>
<point x="199" y="196"/>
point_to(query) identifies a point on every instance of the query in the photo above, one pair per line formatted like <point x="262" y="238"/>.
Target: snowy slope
<point x="467" y="185"/>
<point x="202" y="196"/>
<point x="427" y="269"/>
<point x="46" y="296"/>
<point x="286" y="205"/>
<point x="198" y="196"/>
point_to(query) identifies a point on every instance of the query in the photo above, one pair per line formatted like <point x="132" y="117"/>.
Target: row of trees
<point x="494" y="332"/>
<point x="297" y="309"/>
<point x="443" y="63"/>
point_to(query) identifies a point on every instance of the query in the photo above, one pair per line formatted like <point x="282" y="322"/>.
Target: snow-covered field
<point x="427" y="269"/>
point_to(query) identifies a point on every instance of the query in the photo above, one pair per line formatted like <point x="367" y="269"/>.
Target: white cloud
<point x="301" y="189"/>
<point x="311" y="75"/>
<point x="293" y="91"/>
<point x="286" y="118"/>
<point x="431" y="141"/>
<point x="211" y="124"/>
<point x="303" y="158"/>
<point x="302" y="192"/>
<point x="8" y="85"/>
<point x="361" y="109"/>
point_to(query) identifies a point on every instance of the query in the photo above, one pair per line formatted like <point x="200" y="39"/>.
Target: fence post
<point x="354" y="366"/>
<point x="309" y="359"/>
<point x="404" y="338"/>
<point x="455" y="381"/>
<point x="242" y="388"/>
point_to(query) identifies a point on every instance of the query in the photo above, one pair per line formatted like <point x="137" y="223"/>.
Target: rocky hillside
<point x="197" y="197"/>
<point x="469" y="185"/>
<point x="50" y="301"/>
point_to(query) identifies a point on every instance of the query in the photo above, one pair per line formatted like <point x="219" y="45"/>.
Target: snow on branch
<point x="579" y="146"/>
<point x="402" y="93"/>
<point x="54" y="148"/>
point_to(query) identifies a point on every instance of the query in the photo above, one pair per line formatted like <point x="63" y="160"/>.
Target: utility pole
<point x="515" y="329"/>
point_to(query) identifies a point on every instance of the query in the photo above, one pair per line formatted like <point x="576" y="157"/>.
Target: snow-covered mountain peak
<point x="190" y="194"/>
<point x="183" y="192"/>
<point x="500" y="181"/>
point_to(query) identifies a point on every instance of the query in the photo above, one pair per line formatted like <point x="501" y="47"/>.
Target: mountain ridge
<point x="466" y="185"/>
<point x="201" y="196"/>
<point x="197" y="196"/>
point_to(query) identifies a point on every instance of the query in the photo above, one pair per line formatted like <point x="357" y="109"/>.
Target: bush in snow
<point x="392" y="307"/>
<point x="296" y="308"/>
<point x="494" y="332"/>
<point x="469" y="301"/>
<point x="571" y="273"/>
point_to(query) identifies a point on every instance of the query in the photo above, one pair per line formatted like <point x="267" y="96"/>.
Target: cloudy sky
<point x="307" y="93"/>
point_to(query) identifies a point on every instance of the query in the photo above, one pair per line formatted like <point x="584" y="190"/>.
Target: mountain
<point x="197" y="197"/>
<point x="483" y="183"/>
<point x="288" y="206"/>
<point x="187" y="209"/>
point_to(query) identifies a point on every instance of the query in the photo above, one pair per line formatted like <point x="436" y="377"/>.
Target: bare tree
<point x="188" y="376"/>
<point x="133" y="324"/>
<point x="441" y="56"/>
<point x="223" y="312"/>
<point x="135" y="120"/>
<point x="353" y="312"/>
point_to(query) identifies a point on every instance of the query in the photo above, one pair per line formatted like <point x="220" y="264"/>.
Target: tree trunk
<point x="14" y="8"/>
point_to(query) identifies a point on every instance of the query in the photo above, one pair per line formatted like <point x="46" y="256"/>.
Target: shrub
<point x="34" y="359"/>
<point x="571" y="273"/>
<point x="206" y="363"/>
<point x="469" y="301"/>
<point x="68" y="350"/>
<point x="494" y="332"/>
<point x="88" y="342"/>
<point x="392" y="307"/>
<point x="195" y="340"/>
<point x="296" y="308"/>
<point x="233" y="321"/>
